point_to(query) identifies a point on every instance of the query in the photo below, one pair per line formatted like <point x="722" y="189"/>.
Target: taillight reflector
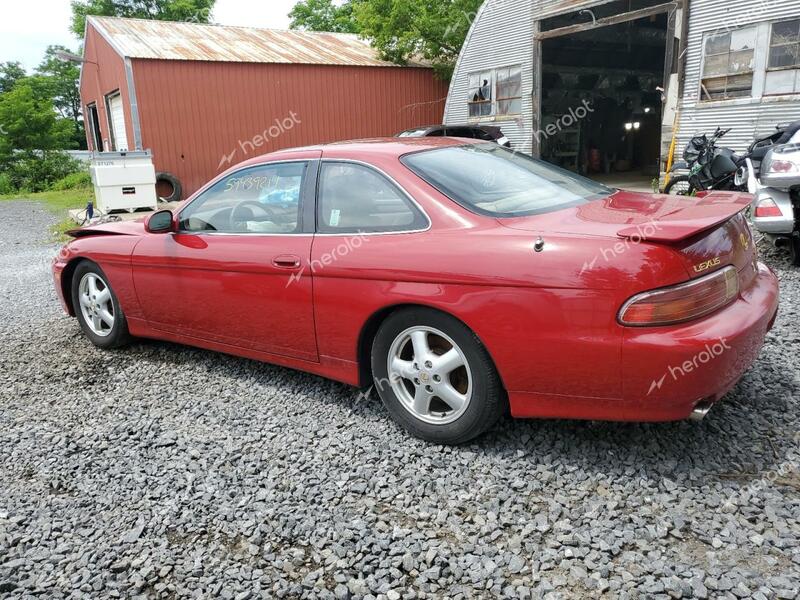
<point x="768" y="208"/>
<point x="683" y="302"/>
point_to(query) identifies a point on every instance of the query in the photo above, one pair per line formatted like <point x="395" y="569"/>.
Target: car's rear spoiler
<point x="710" y="210"/>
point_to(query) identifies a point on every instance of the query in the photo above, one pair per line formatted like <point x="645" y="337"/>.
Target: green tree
<point x="61" y="84"/>
<point x="198" y="11"/>
<point x="30" y="123"/>
<point x="10" y="72"/>
<point x="32" y="137"/>
<point x="323" y="15"/>
<point x="403" y="30"/>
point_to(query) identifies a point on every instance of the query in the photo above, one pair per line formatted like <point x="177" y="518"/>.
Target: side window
<point x="356" y="199"/>
<point x="728" y="61"/>
<point x="462" y="132"/>
<point x="262" y="199"/>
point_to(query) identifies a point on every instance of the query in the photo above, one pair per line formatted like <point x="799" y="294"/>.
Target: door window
<point x="357" y="199"/>
<point x="262" y="199"/>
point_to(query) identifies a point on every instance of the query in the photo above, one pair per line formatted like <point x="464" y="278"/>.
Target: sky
<point x="27" y="27"/>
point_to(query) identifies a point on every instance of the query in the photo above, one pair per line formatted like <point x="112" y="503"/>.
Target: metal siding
<point x="500" y="36"/>
<point x="503" y="32"/>
<point x="194" y="113"/>
<point x="747" y="119"/>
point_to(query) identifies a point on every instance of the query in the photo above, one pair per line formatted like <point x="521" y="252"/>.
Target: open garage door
<point x="116" y="118"/>
<point x="605" y="74"/>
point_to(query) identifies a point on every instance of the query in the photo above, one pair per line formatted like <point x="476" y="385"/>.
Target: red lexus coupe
<point x="457" y="277"/>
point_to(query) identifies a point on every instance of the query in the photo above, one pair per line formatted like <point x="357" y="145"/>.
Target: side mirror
<point x="160" y="222"/>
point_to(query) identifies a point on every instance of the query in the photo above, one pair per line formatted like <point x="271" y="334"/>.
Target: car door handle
<point x="286" y="262"/>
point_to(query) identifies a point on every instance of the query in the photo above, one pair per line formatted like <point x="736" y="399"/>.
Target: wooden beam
<point x="642" y="13"/>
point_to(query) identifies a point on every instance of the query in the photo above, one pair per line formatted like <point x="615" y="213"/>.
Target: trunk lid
<point x="709" y="231"/>
<point x="636" y="215"/>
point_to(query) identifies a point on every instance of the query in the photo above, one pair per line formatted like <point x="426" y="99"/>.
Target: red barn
<point x="202" y="97"/>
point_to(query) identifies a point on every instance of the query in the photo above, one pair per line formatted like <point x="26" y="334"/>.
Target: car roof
<point x="386" y="147"/>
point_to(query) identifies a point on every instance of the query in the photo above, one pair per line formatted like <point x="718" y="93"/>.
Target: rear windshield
<point x="491" y="180"/>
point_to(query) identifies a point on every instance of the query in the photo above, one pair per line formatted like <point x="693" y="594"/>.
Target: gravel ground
<point x="162" y="471"/>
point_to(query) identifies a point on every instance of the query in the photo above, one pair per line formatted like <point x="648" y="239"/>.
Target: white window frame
<point x="760" y="69"/>
<point x="493" y="103"/>
<point x="795" y="67"/>
<point x="753" y="72"/>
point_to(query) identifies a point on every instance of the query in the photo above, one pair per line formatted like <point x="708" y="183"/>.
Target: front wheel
<point x="97" y="307"/>
<point x="680" y="186"/>
<point x="435" y="377"/>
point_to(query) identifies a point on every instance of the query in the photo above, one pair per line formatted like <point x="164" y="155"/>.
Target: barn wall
<point x="103" y="73"/>
<point x="198" y="117"/>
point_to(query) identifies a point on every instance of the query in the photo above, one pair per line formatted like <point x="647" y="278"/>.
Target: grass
<point x="58" y="202"/>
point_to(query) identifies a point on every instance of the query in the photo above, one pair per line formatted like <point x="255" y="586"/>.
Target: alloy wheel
<point x="97" y="306"/>
<point x="430" y="375"/>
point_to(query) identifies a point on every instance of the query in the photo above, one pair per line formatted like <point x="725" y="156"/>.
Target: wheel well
<point x="370" y="329"/>
<point x="66" y="282"/>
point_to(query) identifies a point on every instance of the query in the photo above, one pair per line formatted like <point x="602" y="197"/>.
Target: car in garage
<point x="458" y="278"/>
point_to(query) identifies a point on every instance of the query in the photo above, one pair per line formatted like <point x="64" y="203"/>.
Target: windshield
<point x="492" y="180"/>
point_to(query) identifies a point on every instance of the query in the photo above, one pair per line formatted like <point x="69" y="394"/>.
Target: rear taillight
<point x="767" y="208"/>
<point x="683" y="302"/>
<point x="782" y="166"/>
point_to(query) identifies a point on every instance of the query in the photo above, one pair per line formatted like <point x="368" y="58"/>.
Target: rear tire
<point x="435" y="377"/>
<point x="97" y="307"/>
<point x="794" y="249"/>
<point x="680" y="186"/>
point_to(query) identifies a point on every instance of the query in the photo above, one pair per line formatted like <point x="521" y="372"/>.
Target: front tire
<point x="97" y="307"/>
<point x="435" y="377"/>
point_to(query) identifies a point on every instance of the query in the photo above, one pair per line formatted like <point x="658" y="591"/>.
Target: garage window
<point x="354" y="198"/>
<point x="495" y="92"/>
<point x="728" y="64"/>
<point x="509" y="91"/>
<point x="783" y="66"/>
<point x="480" y="94"/>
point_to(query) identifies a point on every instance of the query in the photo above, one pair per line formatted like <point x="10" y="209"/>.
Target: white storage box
<point x="124" y="181"/>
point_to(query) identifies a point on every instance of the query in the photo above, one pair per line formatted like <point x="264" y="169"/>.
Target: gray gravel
<point x="162" y="471"/>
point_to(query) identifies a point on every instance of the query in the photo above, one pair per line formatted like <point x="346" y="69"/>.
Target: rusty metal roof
<point x="167" y="40"/>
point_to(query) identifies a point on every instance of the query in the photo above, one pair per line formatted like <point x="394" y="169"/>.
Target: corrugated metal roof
<point x="167" y="40"/>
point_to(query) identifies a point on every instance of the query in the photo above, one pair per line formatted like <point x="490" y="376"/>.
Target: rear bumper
<point x="669" y="371"/>
<point x="783" y="225"/>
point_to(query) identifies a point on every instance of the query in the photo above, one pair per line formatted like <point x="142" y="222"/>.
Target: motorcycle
<point x="718" y="168"/>
<point x="776" y="206"/>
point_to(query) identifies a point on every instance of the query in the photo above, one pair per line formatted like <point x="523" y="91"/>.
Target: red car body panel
<point x="548" y="318"/>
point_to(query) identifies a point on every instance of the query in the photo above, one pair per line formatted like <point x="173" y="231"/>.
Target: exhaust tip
<point x="700" y="411"/>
